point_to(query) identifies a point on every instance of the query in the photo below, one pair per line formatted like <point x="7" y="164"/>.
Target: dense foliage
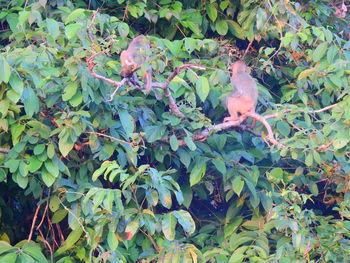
<point x="86" y="178"/>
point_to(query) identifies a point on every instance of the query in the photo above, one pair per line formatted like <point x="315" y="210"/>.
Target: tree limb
<point x="203" y="135"/>
<point x="4" y="150"/>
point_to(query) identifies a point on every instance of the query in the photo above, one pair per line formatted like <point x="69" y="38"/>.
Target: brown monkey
<point x="133" y="57"/>
<point x="245" y="95"/>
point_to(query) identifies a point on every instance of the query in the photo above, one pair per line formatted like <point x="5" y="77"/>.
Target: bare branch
<point x="270" y="136"/>
<point x="172" y="103"/>
<point x="33" y="223"/>
<point x="4" y="150"/>
<point x="132" y="144"/>
<point x="203" y="135"/>
<point x="324" y="109"/>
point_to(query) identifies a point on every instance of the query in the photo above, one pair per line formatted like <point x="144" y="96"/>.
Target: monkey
<point x="245" y="95"/>
<point x="133" y="57"/>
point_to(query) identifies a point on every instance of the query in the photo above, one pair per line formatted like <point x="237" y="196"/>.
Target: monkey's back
<point x="245" y="88"/>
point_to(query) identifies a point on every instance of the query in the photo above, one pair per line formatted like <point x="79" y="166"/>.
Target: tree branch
<point x="172" y="103"/>
<point x="4" y="150"/>
<point x="203" y="135"/>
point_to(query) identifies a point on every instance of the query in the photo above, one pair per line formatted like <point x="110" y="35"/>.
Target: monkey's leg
<point x="233" y="116"/>
<point x="147" y="76"/>
<point x="134" y="80"/>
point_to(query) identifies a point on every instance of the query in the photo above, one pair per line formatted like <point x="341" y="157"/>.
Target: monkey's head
<point x="239" y="67"/>
<point x="129" y="65"/>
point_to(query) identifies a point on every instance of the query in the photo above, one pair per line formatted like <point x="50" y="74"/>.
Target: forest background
<point x="95" y="169"/>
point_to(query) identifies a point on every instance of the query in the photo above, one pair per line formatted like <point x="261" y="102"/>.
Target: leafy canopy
<point x="87" y="177"/>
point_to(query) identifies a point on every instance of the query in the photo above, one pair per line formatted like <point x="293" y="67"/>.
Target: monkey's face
<point x="128" y="64"/>
<point x="239" y="67"/>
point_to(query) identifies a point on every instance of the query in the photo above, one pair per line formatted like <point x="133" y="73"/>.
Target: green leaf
<point x="306" y="73"/>
<point x="112" y="240"/>
<point x="189" y="142"/>
<point x="98" y="199"/>
<point x="340" y="143"/>
<point x="212" y="12"/>
<point x="168" y="226"/>
<point x="132" y="227"/>
<point x="52" y="168"/>
<point x="50" y="150"/>
<point x="47" y="177"/>
<point x="331" y="54"/>
<point x="236" y="258"/>
<point x="35" y="252"/>
<point x="275" y="175"/>
<point x="69" y="91"/>
<point x="17" y="84"/>
<point x="31" y="102"/>
<point x="309" y="160"/>
<point x="12" y="165"/>
<point x="231" y="227"/>
<point x="185" y="220"/>
<point x="53" y="27"/>
<point x="284" y="128"/>
<point x="174" y="144"/>
<point x="34" y="164"/>
<point x="77" y="13"/>
<point x="65" y="145"/>
<point x="5" y="247"/>
<point x="3" y="175"/>
<point x="220" y="165"/>
<point x="123" y="29"/>
<point x="9" y="258"/>
<point x="221" y="27"/>
<point x="38" y="149"/>
<point x="127" y="122"/>
<point x="202" y="88"/>
<point x="100" y="170"/>
<point x="13" y="96"/>
<point x="320" y="51"/>
<point x="16" y="130"/>
<point x="261" y="18"/>
<point x="154" y="133"/>
<point x="313" y="188"/>
<point x="237" y="185"/>
<point x="190" y="44"/>
<point x="54" y="203"/>
<point x="76" y="100"/>
<point x="59" y="215"/>
<point x="5" y="70"/>
<point x="235" y="29"/>
<point x="72" y="29"/>
<point x="197" y="173"/>
<point x="20" y="180"/>
<point x="72" y="238"/>
<point x="174" y="47"/>
<point x="23" y="169"/>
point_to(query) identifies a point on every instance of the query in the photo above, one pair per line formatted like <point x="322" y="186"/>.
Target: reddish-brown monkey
<point x="133" y="57"/>
<point x="245" y="95"/>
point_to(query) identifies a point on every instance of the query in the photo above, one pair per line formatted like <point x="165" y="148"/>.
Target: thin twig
<point x="324" y="146"/>
<point x="247" y="49"/>
<point x="324" y="109"/>
<point x="33" y="222"/>
<point x="132" y="144"/>
<point x="43" y="217"/>
<point x="172" y="103"/>
<point x="47" y="244"/>
<point x="151" y="239"/>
